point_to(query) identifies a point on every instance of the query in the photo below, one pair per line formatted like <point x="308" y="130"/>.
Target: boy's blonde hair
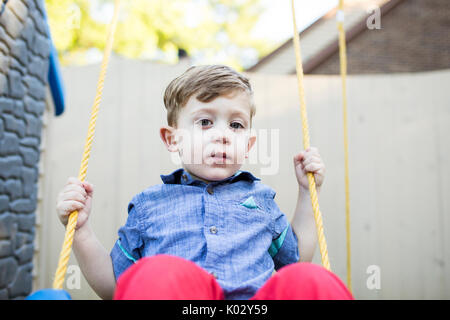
<point x="206" y="82"/>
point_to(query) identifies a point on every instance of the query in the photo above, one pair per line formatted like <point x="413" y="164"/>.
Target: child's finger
<point x="312" y="149"/>
<point x="299" y="157"/>
<point x="74" y="188"/>
<point x="312" y="167"/>
<point x="89" y="187"/>
<point x="73" y="195"/>
<point x="70" y="206"/>
<point x="312" y="152"/>
<point x="74" y="181"/>
<point x="312" y="159"/>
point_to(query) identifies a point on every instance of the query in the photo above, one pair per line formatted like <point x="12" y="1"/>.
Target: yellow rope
<point x="306" y="144"/>
<point x="70" y="228"/>
<point x="343" y="65"/>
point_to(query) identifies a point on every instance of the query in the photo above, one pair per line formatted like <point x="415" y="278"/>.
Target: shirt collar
<point x="181" y="176"/>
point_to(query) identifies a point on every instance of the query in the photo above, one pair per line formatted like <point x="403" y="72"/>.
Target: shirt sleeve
<point x="284" y="247"/>
<point x="127" y="249"/>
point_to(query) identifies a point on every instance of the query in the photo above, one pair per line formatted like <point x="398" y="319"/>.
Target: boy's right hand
<point x="75" y="195"/>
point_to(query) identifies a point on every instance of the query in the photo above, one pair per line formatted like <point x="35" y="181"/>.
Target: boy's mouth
<point x="219" y="156"/>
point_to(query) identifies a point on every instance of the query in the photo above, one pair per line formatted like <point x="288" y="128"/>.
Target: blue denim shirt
<point x="232" y="228"/>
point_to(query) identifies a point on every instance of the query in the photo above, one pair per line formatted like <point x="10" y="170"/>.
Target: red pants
<point x="166" y="277"/>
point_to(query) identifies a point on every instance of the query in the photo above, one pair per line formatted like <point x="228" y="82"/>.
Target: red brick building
<point x="414" y="36"/>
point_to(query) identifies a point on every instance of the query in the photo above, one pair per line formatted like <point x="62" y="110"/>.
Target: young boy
<point x="210" y="231"/>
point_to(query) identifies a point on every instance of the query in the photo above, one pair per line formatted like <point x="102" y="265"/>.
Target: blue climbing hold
<point x="49" y="294"/>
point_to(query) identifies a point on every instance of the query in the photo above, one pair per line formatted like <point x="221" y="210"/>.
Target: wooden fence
<point x="399" y="127"/>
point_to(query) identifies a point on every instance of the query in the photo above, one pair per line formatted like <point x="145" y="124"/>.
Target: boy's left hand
<point x="306" y="161"/>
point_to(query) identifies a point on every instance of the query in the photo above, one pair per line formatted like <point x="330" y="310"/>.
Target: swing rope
<point x="343" y="67"/>
<point x="70" y="228"/>
<point x="306" y="144"/>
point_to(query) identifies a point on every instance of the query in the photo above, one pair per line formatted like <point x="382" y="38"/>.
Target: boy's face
<point x="213" y="138"/>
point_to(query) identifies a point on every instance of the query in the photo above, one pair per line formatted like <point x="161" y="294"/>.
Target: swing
<point x="57" y="293"/>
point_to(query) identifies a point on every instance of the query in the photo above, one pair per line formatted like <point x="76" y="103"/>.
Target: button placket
<point x="212" y="223"/>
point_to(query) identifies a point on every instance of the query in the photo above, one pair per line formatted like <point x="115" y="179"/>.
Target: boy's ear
<point x="251" y="143"/>
<point x="167" y="134"/>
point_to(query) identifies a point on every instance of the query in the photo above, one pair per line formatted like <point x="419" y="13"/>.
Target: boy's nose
<point x="221" y="136"/>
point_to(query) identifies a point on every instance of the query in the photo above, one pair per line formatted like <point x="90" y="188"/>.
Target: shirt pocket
<point x="249" y="211"/>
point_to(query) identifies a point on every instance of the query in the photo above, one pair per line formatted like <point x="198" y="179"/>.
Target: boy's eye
<point x="236" y="125"/>
<point x="205" y="122"/>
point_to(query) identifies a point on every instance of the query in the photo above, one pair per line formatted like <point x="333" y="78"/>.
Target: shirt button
<point x="213" y="230"/>
<point x="210" y="190"/>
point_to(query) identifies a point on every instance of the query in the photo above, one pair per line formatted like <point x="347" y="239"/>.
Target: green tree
<point x="211" y="31"/>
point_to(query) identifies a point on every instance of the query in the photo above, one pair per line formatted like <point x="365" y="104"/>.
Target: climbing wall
<point x="24" y="52"/>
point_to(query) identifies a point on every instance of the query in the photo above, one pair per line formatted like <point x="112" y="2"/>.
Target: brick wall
<point x="414" y="36"/>
<point x="24" y="51"/>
